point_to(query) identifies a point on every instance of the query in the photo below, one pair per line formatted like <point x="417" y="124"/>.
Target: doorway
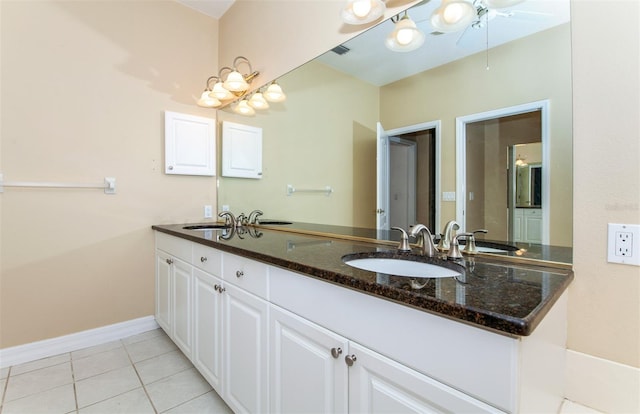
<point x="409" y="191"/>
<point x="485" y="168"/>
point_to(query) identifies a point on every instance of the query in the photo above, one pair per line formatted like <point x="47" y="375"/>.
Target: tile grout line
<point x="4" y="390"/>
<point x="73" y="378"/>
<point x="144" y="388"/>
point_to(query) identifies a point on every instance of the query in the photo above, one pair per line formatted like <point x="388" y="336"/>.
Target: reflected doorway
<point x="487" y="170"/>
<point x="412" y="184"/>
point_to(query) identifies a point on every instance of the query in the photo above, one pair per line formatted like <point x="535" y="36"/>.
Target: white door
<point x="308" y="373"/>
<point x="207" y="328"/>
<point x="402" y="183"/>
<point x="380" y="385"/>
<point x="382" y="180"/>
<point x="246" y="324"/>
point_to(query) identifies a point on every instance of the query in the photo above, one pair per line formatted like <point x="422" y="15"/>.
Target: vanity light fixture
<point x="362" y="11"/>
<point x="405" y="36"/>
<point x="453" y="15"/>
<point x="274" y="93"/>
<point x="243" y="108"/>
<point x="234" y="85"/>
<point x="521" y="161"/>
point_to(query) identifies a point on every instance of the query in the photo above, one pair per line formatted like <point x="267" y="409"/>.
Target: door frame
<point x="436" y="126"/>
<point x="461" y="156"/>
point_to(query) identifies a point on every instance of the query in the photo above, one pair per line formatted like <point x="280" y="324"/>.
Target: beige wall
<point x="604" y="298"/>
<point x="306" y="142"/>
<point x="84" y="85"/>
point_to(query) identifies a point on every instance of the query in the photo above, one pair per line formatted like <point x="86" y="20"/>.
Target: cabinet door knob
<point x="169" y="261"/>
<point x="170" y="168"/>
<point x="219" y="288"/>
<point x="239" y="273"/>
<point x="350" y="359"/>
<point x="335" y="352"/>
<point x="203" y="259"/>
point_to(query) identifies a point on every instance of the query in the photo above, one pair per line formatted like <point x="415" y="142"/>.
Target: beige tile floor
<point x="141" y="374"/>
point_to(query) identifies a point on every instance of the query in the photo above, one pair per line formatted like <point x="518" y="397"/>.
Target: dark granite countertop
<point x="506" y="297"/>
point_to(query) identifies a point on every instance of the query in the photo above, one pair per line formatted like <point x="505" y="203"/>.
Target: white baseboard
<point x="602" y="384"/>
<point x="73" y="342"/>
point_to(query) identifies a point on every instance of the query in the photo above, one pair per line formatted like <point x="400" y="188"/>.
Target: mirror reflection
<point x="325" y="134"/>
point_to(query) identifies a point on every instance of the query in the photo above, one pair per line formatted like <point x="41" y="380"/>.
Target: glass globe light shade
<point x="274" y="93"/>
<point x="362" y="11"/>
<point x="243" y="108"/>
<point x="453" y="15"/>
<point x="208" y="101"/>
<point x="405" y="37"/>
<point x="257" y="101"/>
<point x="235" y="82"/>
<point x="220" y="92"/>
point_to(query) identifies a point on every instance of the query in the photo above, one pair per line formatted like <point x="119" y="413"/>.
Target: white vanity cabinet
<point x="272" y="340"/>
<point x="174" y="281"/>
<point x="528" y="225"/>
<point x="307" y="368"/>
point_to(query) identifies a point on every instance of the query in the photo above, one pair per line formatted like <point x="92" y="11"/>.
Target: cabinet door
<point x="533" y="225"/>
<point x="190" y="143"/>
<point x="181" y="305"/>
<point x="246" y="322"/>
<point x="380" y="385"/>
<point x="241" y="151"/>
<point x="207" y="328"/>
<point x="163" y="291"/>
<point x="307" y="369"/>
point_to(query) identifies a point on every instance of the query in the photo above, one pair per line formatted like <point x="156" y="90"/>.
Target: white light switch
<point x="448" y="196"/>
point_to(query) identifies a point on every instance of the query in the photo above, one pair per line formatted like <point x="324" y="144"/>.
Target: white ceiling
<point x="213" y="8"/>
<point x="371" y="61"/>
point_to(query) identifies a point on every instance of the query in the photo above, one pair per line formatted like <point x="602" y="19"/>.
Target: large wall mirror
<point x="326" y="133"/>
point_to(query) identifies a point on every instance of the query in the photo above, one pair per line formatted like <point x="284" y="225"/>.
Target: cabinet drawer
<point x="248" y="274"/>
<point x="532" y="212"/>
<point x="207" y="259"/>
<point x="174" y="246"/>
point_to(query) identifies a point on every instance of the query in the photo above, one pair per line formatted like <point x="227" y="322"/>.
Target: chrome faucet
<point x="404" y="240"/>
<point x="229" y="219"/>
<point x="253" y="216"/>
<point x="470" y="246"/>
<point x="425" y="239"/>
<point x="449" y="234"/>
<point x="241" y="220"/>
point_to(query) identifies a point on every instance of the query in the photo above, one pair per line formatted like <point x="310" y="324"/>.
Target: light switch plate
<point x="623" y="244"/>
<point x="448" y="196"/>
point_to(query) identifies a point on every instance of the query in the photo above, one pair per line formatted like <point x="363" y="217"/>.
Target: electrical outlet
<point x="448" y="196"/>
<point x="208" y="211"/>
<point x="623" y="244"/>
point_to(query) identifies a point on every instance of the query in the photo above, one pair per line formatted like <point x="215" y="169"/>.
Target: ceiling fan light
<point x="501" y="4"/>
<point x="257" y="101"/>
<point x="220" y="92"/>
<point x="453" y="15"/>
<point x="274" y="93"/>
<point x="405" y="36"/>
<point x="362" y="11"/>
<point x="235" y="82"/>
<point x="208" y="101"/>
<point x="243" y="108"/>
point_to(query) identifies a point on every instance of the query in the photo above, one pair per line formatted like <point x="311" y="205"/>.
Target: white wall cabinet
<point x="190" y="144"/>
<point x="266" y="345"/>
<point x="241" y="150"/>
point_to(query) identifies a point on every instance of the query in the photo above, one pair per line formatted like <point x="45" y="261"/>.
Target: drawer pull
<point x="239" y="273"/>
<point x="219" y="288"/>
<point x="335" y="352"/>
<point x="350" y="359"/>
<point x="203" y="259"/>
<point x="169" y="261"/>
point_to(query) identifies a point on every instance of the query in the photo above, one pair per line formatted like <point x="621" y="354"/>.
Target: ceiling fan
<point x="456" y="15"/>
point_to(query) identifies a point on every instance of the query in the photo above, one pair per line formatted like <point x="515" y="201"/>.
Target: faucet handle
<point x="404" y="240"/>
<point x="470" y="246"/>
<point x="253" y="216"/>
<point x="229" y="220"/>
<point x="454" y="249"/>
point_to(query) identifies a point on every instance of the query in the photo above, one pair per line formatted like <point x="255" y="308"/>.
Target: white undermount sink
<point x="400" y="267"/>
